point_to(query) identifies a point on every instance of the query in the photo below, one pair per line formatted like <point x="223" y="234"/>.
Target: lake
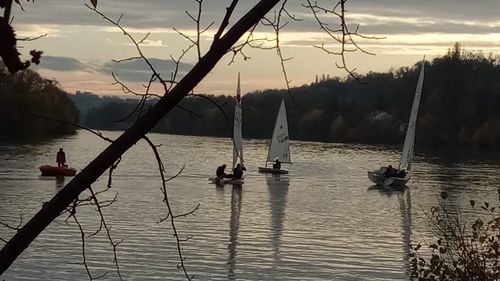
<point x="323" y="221"/>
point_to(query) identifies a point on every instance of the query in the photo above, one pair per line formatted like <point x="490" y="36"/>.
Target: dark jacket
<point x="238" y="172"/>
<point x="61" y="157"/>
<point x="220" y="171"/>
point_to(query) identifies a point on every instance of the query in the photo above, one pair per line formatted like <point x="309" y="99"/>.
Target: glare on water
<point x="323" y="221"/>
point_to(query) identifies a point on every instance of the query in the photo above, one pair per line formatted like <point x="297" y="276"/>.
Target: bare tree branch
<point x="277" y="25"/>
<point x="343" y="35"/>
<point x="84" y="255"/>
<point x="161" y="169"/>
<point x="199" y="31"/>
<point x="113" y="244"/>
<point x="136" y="43"/>
<point x="32" y="38"/>
<point x="225" y="21"/>
<point x="144" y="124"/>
<point x="7" y="10"/>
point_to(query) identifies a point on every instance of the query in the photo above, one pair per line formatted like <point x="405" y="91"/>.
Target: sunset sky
<point x="80" y="46"/>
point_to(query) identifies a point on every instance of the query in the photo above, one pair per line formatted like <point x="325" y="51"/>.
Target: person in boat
<point x="390" y="172"/>
<point x="277" y="164"/>
<point x="220" y="173"/>
<point x="61" y="158"/>
<point x="401" y="174"/>
<point x="238" y="171"/>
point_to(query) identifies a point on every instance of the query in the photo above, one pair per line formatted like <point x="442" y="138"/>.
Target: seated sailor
<point x="277" y="164"/>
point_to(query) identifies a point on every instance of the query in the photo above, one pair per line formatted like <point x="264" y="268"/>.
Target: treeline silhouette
<point x="460" y="106"/>
<point x="28" y="102"/>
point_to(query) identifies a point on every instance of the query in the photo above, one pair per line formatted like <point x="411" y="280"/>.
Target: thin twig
<point x="161" y="169"/>
<point x="113" y="244"/>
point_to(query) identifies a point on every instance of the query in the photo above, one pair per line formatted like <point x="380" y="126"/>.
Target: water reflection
<point x="278" y="190"/>
<point x="59" y="182"/>
<point x="389" y="191"/>
<point x="321" y="225"/>
<point x="405" y="209"/>
<point x="234" y="227"/>
<point x="448" y="156"/>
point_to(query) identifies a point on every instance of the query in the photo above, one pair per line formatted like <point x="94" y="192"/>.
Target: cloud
<point x="150" y="43"/>
<point x="61" y="63"/>
<point x="133" y="70"/>
<point x="136" y="14"/>
<point x="152" y="14"/>
<point x="138" y="71"/>
<point x="381" y="17"/>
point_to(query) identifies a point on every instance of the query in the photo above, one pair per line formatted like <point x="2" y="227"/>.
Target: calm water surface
<point x="323" y="221"/>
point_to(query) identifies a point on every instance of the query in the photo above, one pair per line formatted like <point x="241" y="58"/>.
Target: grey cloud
<point x="136" y="14"/>
<point x="450" y="28"/>
<point x="171" y="13"/>
<point x="484" y="10"/>
<point x="138" y="70"/>
<point x="134" y="70"/>
<point x="60" y="63"/>
<point x="444" y="16"/>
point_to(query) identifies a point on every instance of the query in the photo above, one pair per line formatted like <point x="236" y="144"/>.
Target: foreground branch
<point x="99" y="165"/>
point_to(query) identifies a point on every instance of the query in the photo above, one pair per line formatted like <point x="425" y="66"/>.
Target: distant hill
<point x="85" y="101"/>
<point x="460" y="106"/>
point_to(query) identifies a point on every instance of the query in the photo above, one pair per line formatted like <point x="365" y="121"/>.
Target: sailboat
<point x="279" y="150"/>
<point x="237" y="140"/>
<point x="399" y="177"/>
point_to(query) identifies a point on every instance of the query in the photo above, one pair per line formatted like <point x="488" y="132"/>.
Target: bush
<point x="465" y="249"/>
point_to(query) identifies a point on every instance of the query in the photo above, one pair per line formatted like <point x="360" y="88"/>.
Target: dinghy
<point x="48" y="170"/>
<point x="280" y="143"/>
<point x="400" y="176"/>
<point x="237" y="142"/>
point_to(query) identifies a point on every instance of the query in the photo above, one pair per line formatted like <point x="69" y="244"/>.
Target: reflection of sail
<point x="405" y="208"/>
<point x="234" y="226"/>
<point x="278" y="190"/>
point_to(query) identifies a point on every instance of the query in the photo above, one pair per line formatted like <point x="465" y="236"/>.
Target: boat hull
<point x="396" y="182"/>
<point x="272" y="171"/>
<point x="222" y="181"/>
<point x="378" y="178"/>
<point x="53" y="171"/>
<point x="375" y="177"/>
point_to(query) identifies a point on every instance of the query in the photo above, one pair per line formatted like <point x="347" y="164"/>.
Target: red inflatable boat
<point x="48" y="170"/>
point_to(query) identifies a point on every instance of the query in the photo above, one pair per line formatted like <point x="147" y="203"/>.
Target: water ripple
<point x="323" y="221"/>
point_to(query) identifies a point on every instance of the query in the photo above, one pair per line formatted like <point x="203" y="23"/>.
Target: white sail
<point x="237" y="136"/>
<point x="280" y="144"/>
<point x="407" y="154"/>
